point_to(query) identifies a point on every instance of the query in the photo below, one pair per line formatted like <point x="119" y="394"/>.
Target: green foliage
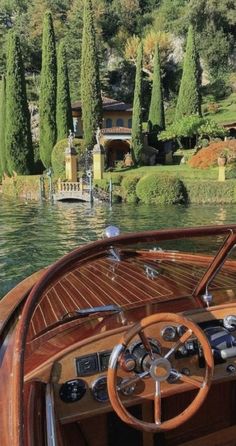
<point x="18" y="140"/>
<point x="116" y="179"/>
<point x="3" y="161"/>
<point x="230" y="171"/>
<point x="189" y="100"/>
<point x="201" y="192"/>
<point x="22" y="186"/>
<point x="190" y="126"/>
<point x="64" y="112"/>
<point x="211" y="129"/>
<point x="129" y="184"/>
<point x="137" y="137"/>
<point x="90" y="82"/>
<point x="160" y="190"/>
<point x="186" y="127"/>
<point x="48" y="87"/>
<point x="156" y="118"/>
<point x="215" y="24"/>
<point x="58" y="156"/>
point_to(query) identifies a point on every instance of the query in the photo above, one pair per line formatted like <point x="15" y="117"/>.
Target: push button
<point x="231" y="368"/>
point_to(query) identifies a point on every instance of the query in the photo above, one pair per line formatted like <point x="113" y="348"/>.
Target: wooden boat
<point x="128" y="339"/>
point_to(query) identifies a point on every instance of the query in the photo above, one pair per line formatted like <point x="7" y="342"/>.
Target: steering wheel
<point x="159" y="370"/>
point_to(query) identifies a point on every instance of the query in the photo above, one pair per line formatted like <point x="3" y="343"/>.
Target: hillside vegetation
<point x="119" y="26"/>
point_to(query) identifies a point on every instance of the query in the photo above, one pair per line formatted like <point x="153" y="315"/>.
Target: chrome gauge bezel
<point x="169" y="336"/>
<point x="98" y="381"/>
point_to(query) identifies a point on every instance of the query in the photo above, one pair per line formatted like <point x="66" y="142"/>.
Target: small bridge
<point x="81" y="191"/>
<point x="73" y="191"/>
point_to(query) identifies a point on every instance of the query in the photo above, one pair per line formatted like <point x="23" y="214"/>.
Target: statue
<point x="98" y="136"/>
<point x="71" y="139"/>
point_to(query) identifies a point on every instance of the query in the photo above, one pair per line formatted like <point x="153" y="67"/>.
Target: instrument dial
<point x="168" y="333"/>
<point x="99" y="389"/>
<point x="72" y="391"/>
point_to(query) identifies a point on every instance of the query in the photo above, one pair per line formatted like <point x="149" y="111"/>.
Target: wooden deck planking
<point x="125" y="283"/>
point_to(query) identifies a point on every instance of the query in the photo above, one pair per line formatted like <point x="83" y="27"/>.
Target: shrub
<point x="116" y="179"/>
<point x="58" y="156"/>
<point x="207" y="157"/>
<point x="230" y="171"/>
<point x="162" y="190"/>
<point x="128" y="184"/>
<point x="210" y="192"/>
<point x="213" y="107"/>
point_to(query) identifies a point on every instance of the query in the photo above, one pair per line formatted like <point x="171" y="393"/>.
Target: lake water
<point x="33" y="235"/>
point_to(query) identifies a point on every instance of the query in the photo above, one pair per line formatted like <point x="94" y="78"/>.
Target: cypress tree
<point x="90" y="81"/>
<point x="3" y="161"/>
<point x="64" y="112"/>
<point x="18" y="139"/>
<point x="137" y="137"/>
<point x="48" y="88"/>
<point x="156" y="117"/>
<point x="189" y="98"/>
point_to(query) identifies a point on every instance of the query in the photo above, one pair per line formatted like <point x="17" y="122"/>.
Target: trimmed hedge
<point x="211" y="192"/>
<point x="26" y="186"/>
<point x="58" y="156"/>
<point x="230" y="171"/>
<point x="128" y="185"/>
<point x="160" y="190"/>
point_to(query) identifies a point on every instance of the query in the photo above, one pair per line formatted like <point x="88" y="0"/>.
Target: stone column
<point x="71" y="164"/>
<point x="98" y="162"/>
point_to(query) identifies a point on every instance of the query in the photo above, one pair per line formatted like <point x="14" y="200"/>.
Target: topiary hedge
<point x="128" y="184"/>
<point x="162" y="190"/>
<point x="58" y="156"/>
<point x="230" y="171"/>
<point x="211" y="192"/>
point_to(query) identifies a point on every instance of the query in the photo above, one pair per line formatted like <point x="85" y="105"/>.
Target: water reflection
<point x="34" y="235"/>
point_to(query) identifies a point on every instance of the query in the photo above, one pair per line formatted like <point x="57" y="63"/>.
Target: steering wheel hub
<point x="160" y="369"/>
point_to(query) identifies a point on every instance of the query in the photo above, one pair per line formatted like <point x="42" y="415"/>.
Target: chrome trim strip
<point x="50" y="417"/>
<point x="117" y="350"/>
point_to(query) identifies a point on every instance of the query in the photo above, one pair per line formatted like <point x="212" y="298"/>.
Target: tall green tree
<point x="90" y="81"/>
<point x="3" y="161"/>
<point x="48" y="91"/>
<point x="156" y="117"/>
<point x="137" y="136"/>
<point x="18" y="139"/>
<point x="189" y="98"/>
<point x="64" y="112"/>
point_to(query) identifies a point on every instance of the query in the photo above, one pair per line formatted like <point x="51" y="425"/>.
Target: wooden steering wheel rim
<point x="172" y="423"/>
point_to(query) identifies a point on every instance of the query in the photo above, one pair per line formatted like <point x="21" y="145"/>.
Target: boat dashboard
<point x="80" y="377"/>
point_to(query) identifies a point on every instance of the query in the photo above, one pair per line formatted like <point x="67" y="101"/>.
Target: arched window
<point x="120" y="122"/>
<point x="130" y="123"/>
<point x="108" y="123"/>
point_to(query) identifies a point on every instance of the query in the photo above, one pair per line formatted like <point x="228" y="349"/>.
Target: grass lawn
<point x="227" y="110"/>
<point x="182" y="171"/>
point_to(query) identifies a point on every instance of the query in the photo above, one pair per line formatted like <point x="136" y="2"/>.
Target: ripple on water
<point x="34" y="235"/>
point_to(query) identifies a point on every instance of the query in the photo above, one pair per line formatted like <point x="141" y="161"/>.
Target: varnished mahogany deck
<point x="88" y="277"/>
<point x="104" y="281"/>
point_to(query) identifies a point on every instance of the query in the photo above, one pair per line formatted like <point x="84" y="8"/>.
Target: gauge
<point x="181" y="329"/>
<point x="168" y="333"/>
<point x="72" y="391"/>
<point x="141" y="355"/>
<point x="99" y="389"/>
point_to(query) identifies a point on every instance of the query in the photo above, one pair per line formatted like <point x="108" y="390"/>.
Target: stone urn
<point x="222" y="160"/>
<point x="128" y="160"/>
